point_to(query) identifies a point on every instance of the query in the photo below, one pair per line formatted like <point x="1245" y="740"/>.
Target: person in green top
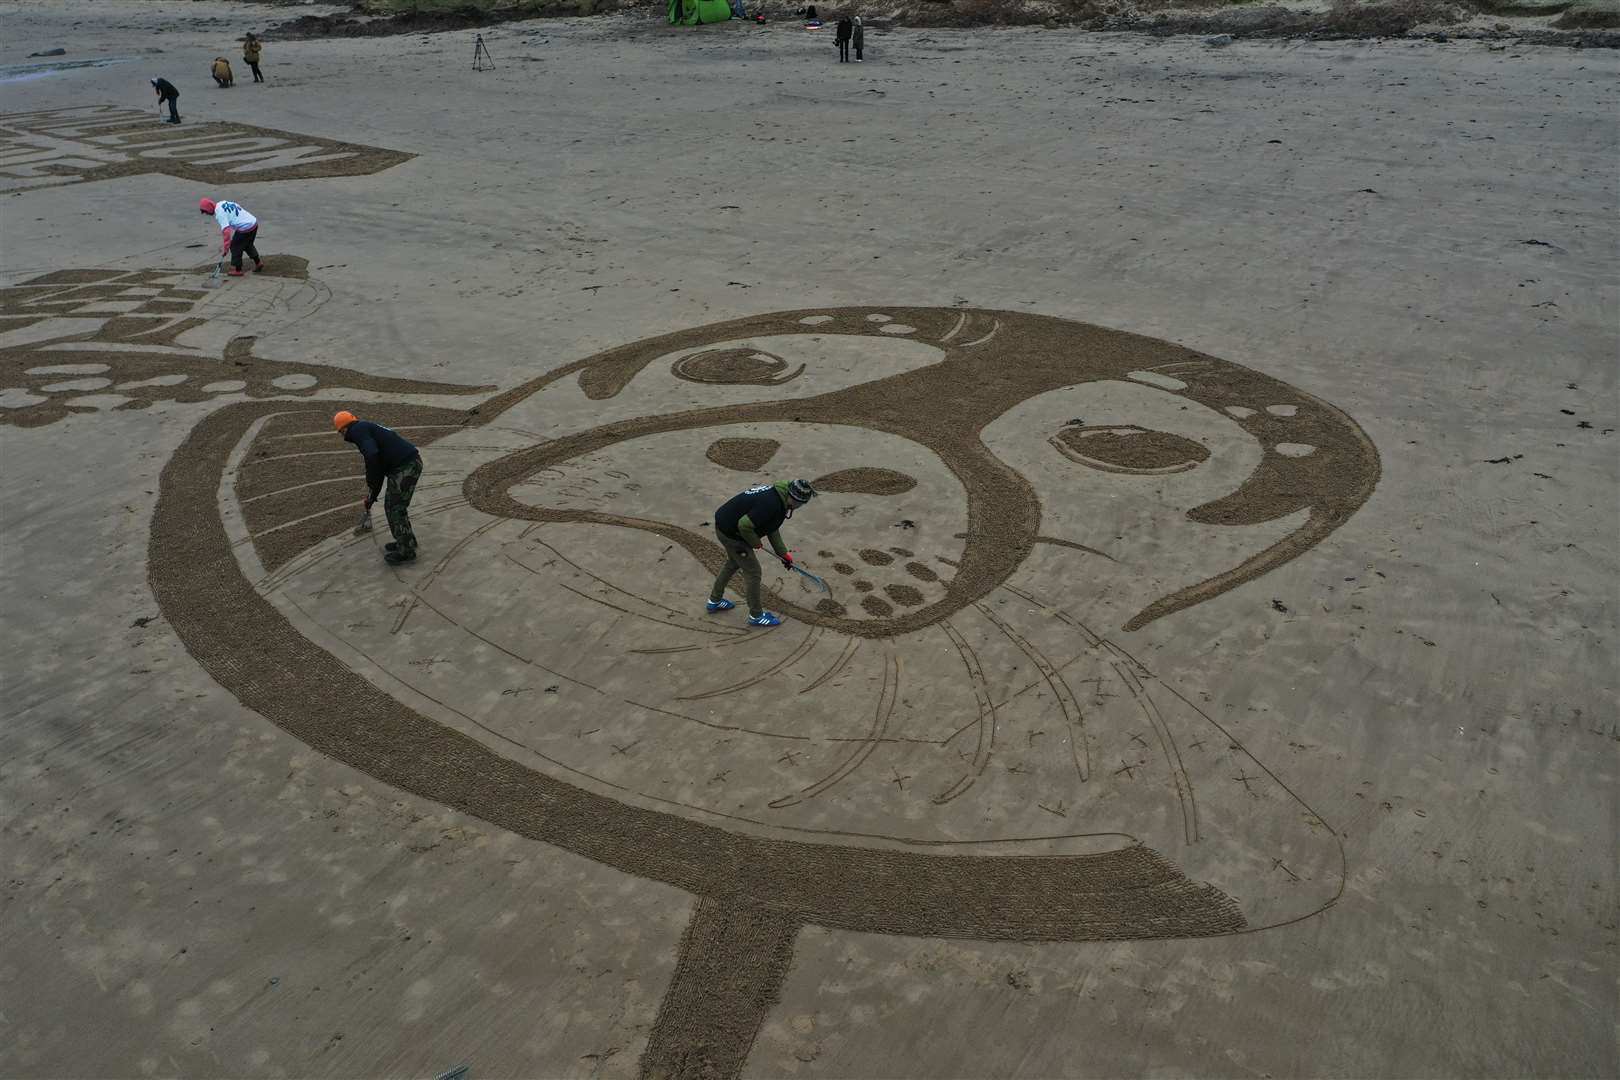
<point x="743" y="524"/>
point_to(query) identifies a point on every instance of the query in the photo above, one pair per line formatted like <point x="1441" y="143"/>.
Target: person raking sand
<point x="391" y="458"/>
<point x="238" y="231"/>
<point x="168" y="95"/>
<point x="740" y="524"/>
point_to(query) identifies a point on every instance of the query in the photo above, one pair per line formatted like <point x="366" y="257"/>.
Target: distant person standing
<point x="250" y="55"/>
<point x="169" y="96"/>
<point x="845" y="30"/>
<point x="857" y="39"/>
<point x="238" y="230"/>
<point x="222" y="72"/>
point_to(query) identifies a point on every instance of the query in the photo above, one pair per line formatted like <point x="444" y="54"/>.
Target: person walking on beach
<point x="222" y="72"/>
<point x="238" y="231"/>
<point x="857" y="38"/>
<point x="391" y="459"/>
<point x="169" y="96"/>
<point x="742" y="525"/>
<point x="845" y="30"/>
<point x="250" y="55"/>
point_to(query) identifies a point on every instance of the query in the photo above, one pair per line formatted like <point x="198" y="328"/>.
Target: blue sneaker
<point x="765" y="618"/>
<point x="720" y="605"/>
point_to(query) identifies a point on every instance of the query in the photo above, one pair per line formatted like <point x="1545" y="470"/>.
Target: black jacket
<point x="165" y="89"/>
<point x="845" y="29"/>
<point x="763" y="506"/>
<point x="384" y="449"/>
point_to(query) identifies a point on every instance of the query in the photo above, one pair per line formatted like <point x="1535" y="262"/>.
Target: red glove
<point x="367" y="504"/>
<point x="787" y="560"/>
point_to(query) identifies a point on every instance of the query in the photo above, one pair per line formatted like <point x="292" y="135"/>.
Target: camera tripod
<point x="481" y="55"/>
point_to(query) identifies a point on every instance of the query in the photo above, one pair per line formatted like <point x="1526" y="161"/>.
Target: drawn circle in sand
<point x="735" y="367"/>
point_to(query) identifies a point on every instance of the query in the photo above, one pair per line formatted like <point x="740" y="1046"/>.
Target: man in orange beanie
<point x="388" y="457"/>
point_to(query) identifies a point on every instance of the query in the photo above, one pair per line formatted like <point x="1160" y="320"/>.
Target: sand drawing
<point x="50" y="147"/>
<point x="85" y="341"/>
<point x="956" y="742"/>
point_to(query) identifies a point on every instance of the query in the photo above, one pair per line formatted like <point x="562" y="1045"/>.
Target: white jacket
<point x="232" y="216"/>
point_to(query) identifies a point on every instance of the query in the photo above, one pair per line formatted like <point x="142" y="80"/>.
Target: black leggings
<point x="242" y="240"/>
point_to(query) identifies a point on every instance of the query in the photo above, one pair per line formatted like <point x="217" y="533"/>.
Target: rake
<point x="818" y="582"/>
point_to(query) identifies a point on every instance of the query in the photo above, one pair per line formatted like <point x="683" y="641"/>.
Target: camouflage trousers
<point x="739" y="556"/>
<point x="397" y="504"/>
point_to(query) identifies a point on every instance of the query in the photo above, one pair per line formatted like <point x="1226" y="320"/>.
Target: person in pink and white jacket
<point x="238" y="229"/>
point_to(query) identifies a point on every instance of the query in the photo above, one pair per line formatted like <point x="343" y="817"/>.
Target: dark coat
<point x="845" y="29"/>
<point x="383" y="448"/>
<point x="763" y="506"/>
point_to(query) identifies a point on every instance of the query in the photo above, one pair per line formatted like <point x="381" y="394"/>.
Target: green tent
<point x="692" y="12"/>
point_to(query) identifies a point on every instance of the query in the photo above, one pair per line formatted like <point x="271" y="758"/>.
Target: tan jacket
<point x="222" y="69"/>
<point x="250" y="51"/>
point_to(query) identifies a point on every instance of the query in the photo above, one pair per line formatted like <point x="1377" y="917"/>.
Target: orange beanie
<point x="343" y="419"/>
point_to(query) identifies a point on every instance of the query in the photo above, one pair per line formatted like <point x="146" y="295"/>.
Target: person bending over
<point x="389" y="457"/>
<point x="238" y="231"/>
<point x="741" y="524"/>
<point x="169" y="96"/>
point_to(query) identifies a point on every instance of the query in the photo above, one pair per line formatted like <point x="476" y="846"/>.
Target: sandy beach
<point x="1216" y="673"/>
